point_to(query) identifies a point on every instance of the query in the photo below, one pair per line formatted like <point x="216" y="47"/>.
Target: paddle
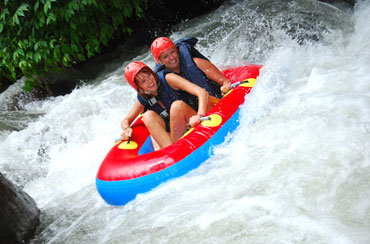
<point x="238" y="83"/>
<point x="205" y="118"/>
<point x="120" y="139"/>
<point x="235" y="84"/>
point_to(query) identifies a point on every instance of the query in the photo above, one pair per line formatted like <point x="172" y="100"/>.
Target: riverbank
<point x="158" y="20"/>
<point x="144" y="31"/>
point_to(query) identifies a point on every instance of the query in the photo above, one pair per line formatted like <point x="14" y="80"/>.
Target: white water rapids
<point x="297" y="170"/>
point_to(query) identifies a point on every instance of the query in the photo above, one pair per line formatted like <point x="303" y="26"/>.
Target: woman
<point x="165" y="115"/>
<point x="182" y="58"/>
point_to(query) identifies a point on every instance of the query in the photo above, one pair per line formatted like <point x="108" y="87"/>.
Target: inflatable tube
<point x="132" y="167"/>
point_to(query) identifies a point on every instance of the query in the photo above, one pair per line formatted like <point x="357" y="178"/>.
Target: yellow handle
<point x="213" y="121"/>
<point x="128" y="145"/>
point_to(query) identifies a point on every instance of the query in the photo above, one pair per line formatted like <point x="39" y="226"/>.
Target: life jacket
<point x="191" y="72"/>
<point x="166" y="94"/>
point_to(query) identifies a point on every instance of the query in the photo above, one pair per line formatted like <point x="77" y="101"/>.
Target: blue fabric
<point x="166" y="95"/>
<point x="147" y="147"/>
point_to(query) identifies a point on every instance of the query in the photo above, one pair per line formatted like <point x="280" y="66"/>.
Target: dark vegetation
<point x="56" y="44"/>
<point x="44" y="40"/>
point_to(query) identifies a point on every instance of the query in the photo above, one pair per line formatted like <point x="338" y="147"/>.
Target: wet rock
<point x="350" y="2"/>
<point x="19" y="214"/>
<point x="341" y="4"/>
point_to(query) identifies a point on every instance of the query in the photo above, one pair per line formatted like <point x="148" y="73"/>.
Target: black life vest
<point x="166" y="94"/>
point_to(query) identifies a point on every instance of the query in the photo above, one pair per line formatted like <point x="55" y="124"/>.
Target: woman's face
<point x="170" y="58"/>
<point x="146" y="81"/>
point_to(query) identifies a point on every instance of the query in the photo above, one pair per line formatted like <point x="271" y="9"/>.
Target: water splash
<point x="296" y="170"/>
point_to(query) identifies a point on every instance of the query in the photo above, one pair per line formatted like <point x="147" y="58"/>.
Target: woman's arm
<point x="179" y="83"/>
<point x="136" y="109"/>
<point x="213" y="73"/>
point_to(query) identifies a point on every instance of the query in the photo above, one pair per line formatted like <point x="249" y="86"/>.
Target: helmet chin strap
<point x="153" y="94"/>
<point x="148" y="92"/>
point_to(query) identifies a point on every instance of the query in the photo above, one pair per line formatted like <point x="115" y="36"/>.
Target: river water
<point x="297" y="170"/>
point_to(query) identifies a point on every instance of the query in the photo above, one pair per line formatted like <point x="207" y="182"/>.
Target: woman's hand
<point x="225" y="86"/>
<point x="213" y="73"/>
<point x="126" y="133"/>
<point x="136" y="109"/>
<point x="194" y="120"/>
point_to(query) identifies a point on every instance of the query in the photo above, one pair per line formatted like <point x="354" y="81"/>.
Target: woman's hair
<point x="147" y="70"/>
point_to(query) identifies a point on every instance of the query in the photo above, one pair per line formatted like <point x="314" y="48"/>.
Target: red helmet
<point x="131" y="71"/>
<point x="160" y="45"/>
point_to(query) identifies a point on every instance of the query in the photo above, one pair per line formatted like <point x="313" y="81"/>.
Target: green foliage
<point x="37" y="36"/>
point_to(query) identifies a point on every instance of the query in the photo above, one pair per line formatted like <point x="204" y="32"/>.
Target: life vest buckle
<point x="164" y="114"/>
<point x="152" y="101"/>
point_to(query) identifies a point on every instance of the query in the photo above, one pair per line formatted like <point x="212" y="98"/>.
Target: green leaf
<point x="14" y="75"/>
<point x="21" y="9"/>
<point x="4" y="13"/>
<point x="127" y="9"/>
<point x="73" y="26"/>
<point x="29" y="55"/>
<point x="139" y="12"/>
<point x="68" y="14"/>
<point x="51" y="18"/>
<point x="37" y="57"/>
<point x="66" y="49"/>
<point x="74" y="48"/>
<point x="36" y="6"/>
<point x="75" y="5"/>
<point x="81" y="57"/>
<point x="20" y="52"/>
<point x="65" y="60"/>
<point x="51" y="43"/>
<point x="41" y="18"/>
<point x="15" y="19"/>
<point x="47" y="6"/>
<point x="22" y="64"/>
<point x="36" y="46"/>
<point x="29" y="85"/>
<point x="44" y="44"/>
<point x="89" y="53"/>
<point x="15" y="56"/>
